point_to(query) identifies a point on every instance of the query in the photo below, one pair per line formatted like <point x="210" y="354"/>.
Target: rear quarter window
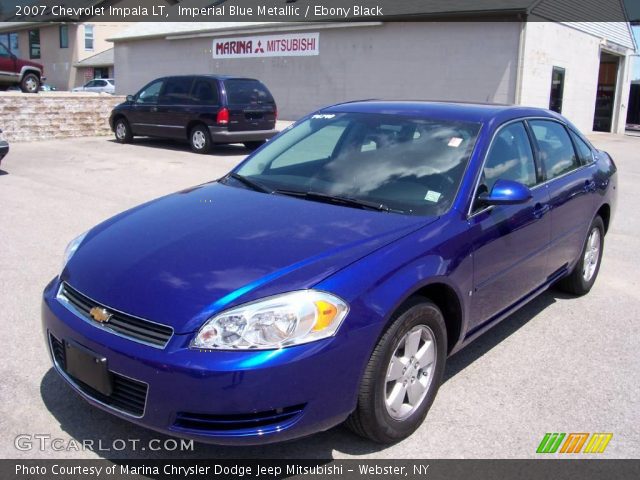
<point x="584" y="150"/>
<point x="247" y="92"/>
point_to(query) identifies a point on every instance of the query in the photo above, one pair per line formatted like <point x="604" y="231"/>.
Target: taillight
<point x="223" y="117"/>
<point x="275" y="113"/>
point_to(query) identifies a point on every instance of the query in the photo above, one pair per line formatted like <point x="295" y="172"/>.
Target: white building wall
<point x="548" y="44"/>
<point x="441" y="61"/>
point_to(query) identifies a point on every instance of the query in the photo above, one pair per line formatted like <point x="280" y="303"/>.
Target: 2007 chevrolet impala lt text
<point x="329" y="276"/>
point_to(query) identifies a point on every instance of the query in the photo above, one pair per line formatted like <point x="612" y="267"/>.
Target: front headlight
<point x="275" y="322"/>
<point x="72" y="247"/>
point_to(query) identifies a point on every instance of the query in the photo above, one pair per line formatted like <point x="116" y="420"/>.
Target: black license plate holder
<point x="89" y="368"/>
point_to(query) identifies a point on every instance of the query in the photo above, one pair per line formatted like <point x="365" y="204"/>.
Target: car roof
<point x="209" y="75"/>
<point x="463" y="111"/>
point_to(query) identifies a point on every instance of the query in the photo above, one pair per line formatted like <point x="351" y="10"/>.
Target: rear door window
<point x="205" y="92"/>
<point x="247" y="92"/>
<point x="556" y="150"/>
<point x="176" y="91"/>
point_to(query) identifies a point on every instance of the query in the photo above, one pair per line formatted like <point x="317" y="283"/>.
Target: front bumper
<point x="221" y="397"/>
<point x="223" y="135"/>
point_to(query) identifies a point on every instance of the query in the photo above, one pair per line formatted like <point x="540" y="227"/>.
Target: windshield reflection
<point x="414" y="165"/>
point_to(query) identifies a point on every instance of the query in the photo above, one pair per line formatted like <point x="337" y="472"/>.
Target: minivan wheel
<point x="122" y="131"/>
<point x="584" y="274"/>
<point x="254" y="145"/>
<point x="403" y="375"/>
<point x="200" y="139"/>
<point x="30" y="83"/>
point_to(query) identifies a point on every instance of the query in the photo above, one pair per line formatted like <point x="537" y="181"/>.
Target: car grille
<point x="128" y="396"/>
<point x="134" y="328"/>
<point x="268" y="420"/>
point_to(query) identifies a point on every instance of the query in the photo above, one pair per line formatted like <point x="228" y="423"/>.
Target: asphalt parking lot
<point x="560" y="365"/>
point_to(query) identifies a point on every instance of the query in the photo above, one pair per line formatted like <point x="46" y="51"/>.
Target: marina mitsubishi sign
<point x="282" y="45"/>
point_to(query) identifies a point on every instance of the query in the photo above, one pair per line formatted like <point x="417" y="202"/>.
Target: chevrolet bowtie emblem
<point x="100" y="315"/>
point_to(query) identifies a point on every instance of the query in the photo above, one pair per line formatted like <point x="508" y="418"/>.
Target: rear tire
<point x="200" y="139"/>
<point x="30" y="83"/>
<point x="122" y="131"/>
<point x="584" y="274"/>
<point x="254" y="145"/>
<point x="400" y="384"/>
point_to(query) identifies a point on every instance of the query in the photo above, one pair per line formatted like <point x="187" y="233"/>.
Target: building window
<point x="557" y="89"/>
<point x="64" y="36"/>
<point x="101" y="72"/>
<point x="88" y="37"/>
<point x="34" y="43"/>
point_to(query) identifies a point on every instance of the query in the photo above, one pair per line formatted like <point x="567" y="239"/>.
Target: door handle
<point x="589" y="186"/>
<point x="154" y="109"/>
<point x="539" y="210"/>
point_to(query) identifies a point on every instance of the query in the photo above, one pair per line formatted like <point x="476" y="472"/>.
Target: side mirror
<point x="129" y="98"/>
<point x="506" y="192"/>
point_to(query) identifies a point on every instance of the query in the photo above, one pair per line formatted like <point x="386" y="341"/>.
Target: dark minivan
<point x="203" y="109"/>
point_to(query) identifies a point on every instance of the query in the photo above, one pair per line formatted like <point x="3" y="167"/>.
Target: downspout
<point x="520" y="66"/>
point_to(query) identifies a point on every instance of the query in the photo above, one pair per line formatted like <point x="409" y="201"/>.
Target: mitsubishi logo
<point x="259" y="48"/>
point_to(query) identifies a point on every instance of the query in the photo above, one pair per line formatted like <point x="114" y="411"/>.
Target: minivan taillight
<point x="275" y="113"/>
<point x="223" y="117"/>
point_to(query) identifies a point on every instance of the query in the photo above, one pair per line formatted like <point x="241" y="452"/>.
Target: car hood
<point x="182" y="258"/>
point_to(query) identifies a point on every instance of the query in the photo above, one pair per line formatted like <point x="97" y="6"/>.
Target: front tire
<point x="122" y="131"/>
<point x="584" y="274"/>
<point x="30" y="83"/>
<point x="403" y="375"/>
<point x="200" y="139"/>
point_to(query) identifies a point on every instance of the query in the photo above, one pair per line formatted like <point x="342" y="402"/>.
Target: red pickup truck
<point x="16" y="71"/>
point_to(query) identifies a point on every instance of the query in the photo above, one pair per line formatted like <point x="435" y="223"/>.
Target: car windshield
<point x="399" y="164"/>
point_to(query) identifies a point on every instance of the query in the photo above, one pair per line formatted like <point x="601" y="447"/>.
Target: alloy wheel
<point x="121" y="131"/>
<point x="31" y="84"/>
<point x="591" y="255"/>
<point x="198" y="139"/>
<point x="410" y="372"/>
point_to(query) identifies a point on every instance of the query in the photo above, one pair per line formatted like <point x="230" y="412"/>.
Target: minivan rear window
<point x="247" y="92"/>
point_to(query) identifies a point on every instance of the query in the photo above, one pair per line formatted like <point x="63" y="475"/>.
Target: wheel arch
<point x="193" y="124"/>
<point x="29" y="69"/>
<point x="117" y="116"/>
<point x="446" y="298"/>
<point x="605" y="213"/>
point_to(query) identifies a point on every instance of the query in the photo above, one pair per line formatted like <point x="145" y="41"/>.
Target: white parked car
<point x="98" y="85"/>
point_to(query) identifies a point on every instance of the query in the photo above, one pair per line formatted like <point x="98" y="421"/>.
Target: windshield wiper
<point x="336" y="199"/>
<point x="253" y="185"/>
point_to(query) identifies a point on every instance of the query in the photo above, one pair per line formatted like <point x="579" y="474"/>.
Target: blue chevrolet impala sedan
<point x="330" y="275"/>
